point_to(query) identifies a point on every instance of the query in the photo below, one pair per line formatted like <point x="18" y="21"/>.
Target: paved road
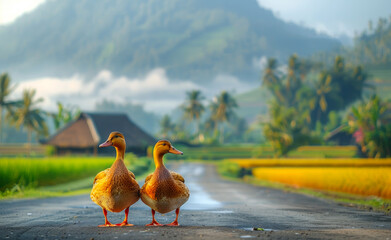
<point x="217" y="209"/>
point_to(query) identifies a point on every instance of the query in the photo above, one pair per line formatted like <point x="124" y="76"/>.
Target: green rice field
<point x="58" y="173"/>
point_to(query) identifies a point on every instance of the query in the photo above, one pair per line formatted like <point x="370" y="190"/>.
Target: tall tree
<point x="322" y="89"/>
<point x="30" y="116"/>
<point x="272" y="81"/>
<point x="223" y="111"/>
<point x="166" y="126"/>
<point x="64" y="115"/>
<point x="287" y="129"/>
<point x="370" y="124"/>
<point x="193" y="107"/>
<point x="5" y="91"/>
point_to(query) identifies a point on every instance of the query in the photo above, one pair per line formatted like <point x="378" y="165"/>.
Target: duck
<point x="115" y="188"/>
<point x="164" y="190"/>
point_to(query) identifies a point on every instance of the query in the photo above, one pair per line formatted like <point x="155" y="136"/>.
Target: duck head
<point x="163" y="146"/>
<point x="115" y="139"/>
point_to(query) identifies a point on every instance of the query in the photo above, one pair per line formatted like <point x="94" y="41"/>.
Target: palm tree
<point x="64" y="115"/>
<point x="29" y="116"/>
<point x="166" y="126"/>
<point x="370" y="123"/>
<point x="223" y="111"/>
<point x="194" y="108"/>
<point x="323" y="88"/>
<point x="5" y="91"/>
<point x="270" y="76"/>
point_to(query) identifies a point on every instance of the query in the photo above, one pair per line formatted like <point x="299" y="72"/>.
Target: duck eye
<point x="164" y="144"/>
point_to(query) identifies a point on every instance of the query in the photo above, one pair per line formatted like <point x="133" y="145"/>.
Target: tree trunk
<point x="29" y="141"/>
<point x="221" y="133"/>
<point x="198" y="129"/>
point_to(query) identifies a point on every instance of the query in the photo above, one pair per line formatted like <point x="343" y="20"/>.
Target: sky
<point x="11" y="9"/>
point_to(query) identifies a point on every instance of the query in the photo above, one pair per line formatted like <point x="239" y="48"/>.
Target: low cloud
<point x="156" y="92"/>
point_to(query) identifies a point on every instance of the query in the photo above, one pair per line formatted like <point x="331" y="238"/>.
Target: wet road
<point x="217" y="209"/>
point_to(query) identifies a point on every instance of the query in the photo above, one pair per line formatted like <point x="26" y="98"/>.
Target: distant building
<point x="340" y="137"/>
<point x="83" y="135"/>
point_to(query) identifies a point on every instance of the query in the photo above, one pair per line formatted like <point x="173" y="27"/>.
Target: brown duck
<point x="115" y="188"/>
<point x="164" y="190"/>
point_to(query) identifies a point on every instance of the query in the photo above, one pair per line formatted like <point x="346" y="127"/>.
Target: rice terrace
<point x="196" y="119"/>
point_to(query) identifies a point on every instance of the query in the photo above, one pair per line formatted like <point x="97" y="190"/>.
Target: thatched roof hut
<point x="84" y="134"/>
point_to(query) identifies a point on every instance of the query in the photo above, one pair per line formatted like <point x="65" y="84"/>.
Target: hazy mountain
<point x="192" y="39"/>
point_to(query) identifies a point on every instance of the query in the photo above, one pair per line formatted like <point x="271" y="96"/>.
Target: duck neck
<point x="120" y="149"/>
<point x="158" y="158"/>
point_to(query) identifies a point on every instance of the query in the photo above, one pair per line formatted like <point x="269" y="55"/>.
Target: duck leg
<point x="125" y="222"/>
<point x="107" y="223"/>
<point x="175" y="222"/>
<point x="154" y="222"/>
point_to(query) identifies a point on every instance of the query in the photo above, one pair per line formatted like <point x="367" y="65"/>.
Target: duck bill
<point x="106" y="144"/>
<point x="175" y="151"/>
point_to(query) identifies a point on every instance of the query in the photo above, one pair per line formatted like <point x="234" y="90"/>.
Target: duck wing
<point x="132" y="174"/>
<point x="148" y="177"/>
<point x="177" y="176"/>
<point x="101" y="175"/>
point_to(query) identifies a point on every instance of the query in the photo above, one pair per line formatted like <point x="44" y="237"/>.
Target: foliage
<point x="166" y="126"/>
<point x="337" y="88"/>
<point x="288" y="127"/>
<point x="5" y="91"/>
<point x="21" y="174"/>
<point x="286" y="131"/>
<point x="228" y="169"/>
<point x="64" y="115"/>
<point x="372" y="47"/>
<point x="371" y="124"/>
<point x="193" y="108"/>
<point x="222" y="111"/>
<point x="367" y="181"/>
<point x="301" y="106"/>
<point x="29" y="115"/>
<point x="26" y="172"/>
<point x="139" y="166"/>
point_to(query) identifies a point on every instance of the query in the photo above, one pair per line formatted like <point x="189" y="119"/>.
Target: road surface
<point x="217" y="209"/>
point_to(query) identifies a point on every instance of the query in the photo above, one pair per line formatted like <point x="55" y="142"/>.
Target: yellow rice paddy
<point x="367" y="177"/>
<point x="367" y="181"/>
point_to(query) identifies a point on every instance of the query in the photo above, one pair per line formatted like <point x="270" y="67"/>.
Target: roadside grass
<point x="28" y="178"/>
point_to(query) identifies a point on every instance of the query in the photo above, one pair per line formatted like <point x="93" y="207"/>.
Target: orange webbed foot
<point x="124" y="224"/>
<point x="175" y="222"/>
<point x="107" y="225"/>
<point x="154" y="224"/>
